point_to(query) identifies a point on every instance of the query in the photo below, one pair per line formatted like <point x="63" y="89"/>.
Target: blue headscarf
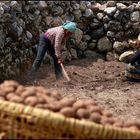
<point x="71" y="26"/>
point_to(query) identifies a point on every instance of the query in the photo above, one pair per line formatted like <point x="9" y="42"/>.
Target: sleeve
<point x="58" y="43"/>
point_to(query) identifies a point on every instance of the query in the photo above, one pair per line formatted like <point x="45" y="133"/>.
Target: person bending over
<point x="52" y="41"/>
<point x="135" y="60"/>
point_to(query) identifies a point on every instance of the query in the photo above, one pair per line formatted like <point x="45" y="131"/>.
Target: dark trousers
<point x="43" y="47"/>
<point x="135" y="58"/>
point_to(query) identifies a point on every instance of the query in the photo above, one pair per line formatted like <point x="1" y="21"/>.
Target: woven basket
<point x="18" y="121"/>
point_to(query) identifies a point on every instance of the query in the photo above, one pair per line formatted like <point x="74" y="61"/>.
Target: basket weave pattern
<point x="18" y="121"/>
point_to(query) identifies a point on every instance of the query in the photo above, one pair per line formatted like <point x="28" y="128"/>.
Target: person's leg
<point x="135" y="58"/>
<point x="57" y="66"/>
<point x="42" y="48"/>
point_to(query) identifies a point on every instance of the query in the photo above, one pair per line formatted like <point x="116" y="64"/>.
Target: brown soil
<point x="101" y="80"/>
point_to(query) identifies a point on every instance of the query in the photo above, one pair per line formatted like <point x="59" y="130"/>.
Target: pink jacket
<point x="56" y="36"/>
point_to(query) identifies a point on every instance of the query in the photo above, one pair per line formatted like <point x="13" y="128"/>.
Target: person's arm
<point x="58" y="43"/>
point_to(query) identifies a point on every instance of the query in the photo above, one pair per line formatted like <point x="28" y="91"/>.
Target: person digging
<point x="134" y="63"/>
<point x="52" y="41"/>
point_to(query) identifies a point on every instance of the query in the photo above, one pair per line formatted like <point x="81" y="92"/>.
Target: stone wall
<point x="106" y="29"/>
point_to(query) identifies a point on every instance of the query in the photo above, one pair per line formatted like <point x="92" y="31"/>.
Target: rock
<point x="110" y="56"/>
<point x="92" y="45"/>
<point x="82" y="46"/>
<point x="104" y="44"/>
<point x="78" y="36"/>
<point x="92" y="54"/>
<point x="121" y="6"/>
<point x="111" y="3"/>
<point x="110" y="10"/>
<point x="135" y="16"/>
<point x="125" y="57"/>
<point x="119" y="46"/>
<point x="98" y="33"/>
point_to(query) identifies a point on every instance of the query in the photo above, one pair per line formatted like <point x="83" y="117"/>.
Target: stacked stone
<point x="106" y="29"/>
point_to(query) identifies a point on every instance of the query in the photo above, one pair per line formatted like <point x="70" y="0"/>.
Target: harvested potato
<point x="89" y="102"/>
<point x="10" y="83"/>
<point x="20" y="89"/>
<point x="31" y="100"/>
<point x="10" y="95"/>
<point x="2" y="98"/>
<point x="94" y="109"/>
<point x="107" y="120"/>
<point x="41" y="100"/>
<point x="106" y="113"/>
<point x="132" y="123"/>
<point x="55" y="106"/>
<point x="134" y="128"/>
<point x="68" y="112"/>
<point x="15" y="98"/>
<point x="79" y="104"/>
<point x="43" y="90"/>
<point x="95" y="117"/>
<point x="8" y="89"/>
<point x="49" y="99"/>
<point x="39" y="106"/>
<point x="82" y="113"/>
<point x="118" y="124"/>
<point x="27" y="93"/>
<point x="56" y="94"/>
<point x="67" y="102"/>
<point x="2" y="93"/>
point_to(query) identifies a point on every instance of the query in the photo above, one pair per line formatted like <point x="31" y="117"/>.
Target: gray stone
<point x="110" y="10"/>
<point x="126" y="56"/>
<point x="104" y="44"/>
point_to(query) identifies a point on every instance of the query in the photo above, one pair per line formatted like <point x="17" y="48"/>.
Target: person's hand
<point x="59" y="60"/>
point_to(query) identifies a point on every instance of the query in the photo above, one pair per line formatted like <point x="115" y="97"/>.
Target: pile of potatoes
<point x="37" y="96"/>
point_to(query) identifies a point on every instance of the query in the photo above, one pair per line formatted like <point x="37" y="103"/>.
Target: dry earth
<point x="101" y="80"/>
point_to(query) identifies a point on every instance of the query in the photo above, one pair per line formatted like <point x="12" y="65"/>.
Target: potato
<point x="94" y="109"/>
<point x="82" y="113"/>
<point x="10" y="83"/>
<point x="20" y="89"/>
<point x="2" y="98"/>
<point x="56" y="95"/>
<point x="8" y="89"/>
<point x="41" y="100"/>
<point x="67" y="101"/>
<point x="134" y="128"/>
<point x="79" y="104"/>
<point x="68" y="112"/>
<point x="106" y="113"/>
<point x="27" y="93"/>
<point x="2" y="93"/>
<point x="118" y="124"/>
<point x="14" y="98"/>
<point x="39" y="106"/>
<point x="129" y="123"/>
<point x="55" y="106"/>
<point x="10" y="95"/>
<point x="31" y="100"/>
<point x="132" y="123"/>
<point x="43" y="90"/>
<point x="49" y="99"/>
<point x="89" y="102"/>
<point x="107" y="120"/>
<point x="95" y="117"/>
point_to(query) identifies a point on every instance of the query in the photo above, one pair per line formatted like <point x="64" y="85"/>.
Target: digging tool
<point x="64" y="72"/>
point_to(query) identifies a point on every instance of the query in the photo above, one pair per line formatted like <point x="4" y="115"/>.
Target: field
<point x="101" y="80"/>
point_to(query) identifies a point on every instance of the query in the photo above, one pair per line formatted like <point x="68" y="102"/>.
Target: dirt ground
<point x="101" y="80"/>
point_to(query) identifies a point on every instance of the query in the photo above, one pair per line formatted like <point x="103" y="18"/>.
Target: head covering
<point x="139" y="37"/>
<point x="71" y="26"/>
